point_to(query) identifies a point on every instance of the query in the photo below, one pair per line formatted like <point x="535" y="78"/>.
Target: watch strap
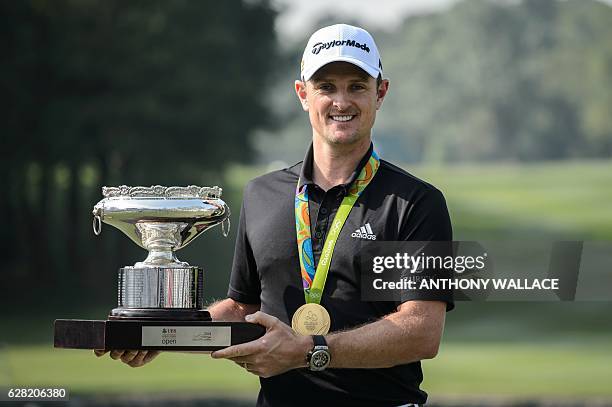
<point x="319" y="340"/>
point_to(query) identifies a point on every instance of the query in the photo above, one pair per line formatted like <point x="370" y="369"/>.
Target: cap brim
<point x="372" y="71"/>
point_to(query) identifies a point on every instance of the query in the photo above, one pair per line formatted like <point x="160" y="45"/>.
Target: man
<point x="370" y="357"/>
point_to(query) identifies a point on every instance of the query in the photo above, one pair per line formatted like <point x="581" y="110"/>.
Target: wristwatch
<point x="319" y="357"/>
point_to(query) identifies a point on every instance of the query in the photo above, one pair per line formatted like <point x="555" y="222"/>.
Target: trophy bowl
<point x="161" y="220"/>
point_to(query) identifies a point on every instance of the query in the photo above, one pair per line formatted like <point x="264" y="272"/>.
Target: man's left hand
<point x="278" y="351"/>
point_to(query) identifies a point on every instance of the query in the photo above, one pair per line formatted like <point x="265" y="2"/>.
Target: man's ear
<point x="381" y="92"/>
<point x="300" y="91"/>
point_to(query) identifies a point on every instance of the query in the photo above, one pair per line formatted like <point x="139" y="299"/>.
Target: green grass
<point x="80" y="371"/>
<point x="571" y="200"/>
<point x="581" y="368"/>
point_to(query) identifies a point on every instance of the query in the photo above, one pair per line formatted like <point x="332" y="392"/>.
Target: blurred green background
<point x="504" y="106"/>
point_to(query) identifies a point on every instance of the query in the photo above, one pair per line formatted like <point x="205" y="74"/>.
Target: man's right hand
<point x="133" y="358"/>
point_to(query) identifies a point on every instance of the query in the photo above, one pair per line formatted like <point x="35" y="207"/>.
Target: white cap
<point x="341" y="42"/>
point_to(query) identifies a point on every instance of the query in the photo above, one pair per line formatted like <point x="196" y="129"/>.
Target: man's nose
<point x="341" y="100"/>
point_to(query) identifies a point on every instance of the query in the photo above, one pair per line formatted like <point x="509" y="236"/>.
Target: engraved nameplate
<point x="186" y="335"/>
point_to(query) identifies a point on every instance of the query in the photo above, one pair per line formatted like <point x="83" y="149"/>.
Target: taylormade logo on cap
<point x="341" y="43"/>
<point x="349" y="43"/>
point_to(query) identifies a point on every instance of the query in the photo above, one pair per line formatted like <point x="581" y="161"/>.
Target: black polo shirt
<point x="395" y="206"/>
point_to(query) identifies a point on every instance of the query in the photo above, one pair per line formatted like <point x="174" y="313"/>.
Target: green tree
<point x="135" y="92"/>
<point x="489" y="80"/>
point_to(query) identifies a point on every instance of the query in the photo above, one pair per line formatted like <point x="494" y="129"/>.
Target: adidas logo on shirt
<point x="364" y="232"/>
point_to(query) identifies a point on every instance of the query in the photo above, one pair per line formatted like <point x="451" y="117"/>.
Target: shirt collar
<point x="306" y="171"/>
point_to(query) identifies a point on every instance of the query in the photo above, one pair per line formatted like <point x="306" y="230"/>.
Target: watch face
<point x="319" y="359"/>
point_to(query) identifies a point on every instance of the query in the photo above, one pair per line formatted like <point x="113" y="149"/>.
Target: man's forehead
<point x="340" y="69"/>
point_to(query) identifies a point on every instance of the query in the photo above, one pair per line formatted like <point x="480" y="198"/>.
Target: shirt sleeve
<point x="428" y="220"/>
<point x="244" y="283"/>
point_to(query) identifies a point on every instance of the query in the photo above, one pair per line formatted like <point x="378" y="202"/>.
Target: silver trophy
<point x="160" y="298"/>
<point x="161" y="220"/>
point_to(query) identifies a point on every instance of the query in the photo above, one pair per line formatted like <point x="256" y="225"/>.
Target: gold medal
<point x="311" y="319"/>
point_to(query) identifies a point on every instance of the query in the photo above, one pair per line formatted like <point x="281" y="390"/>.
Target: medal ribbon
<point x="314" y="280"/>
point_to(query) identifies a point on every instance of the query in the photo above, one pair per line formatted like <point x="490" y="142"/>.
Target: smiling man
<point x="296" y="268"/>
<point x="296" y="255"/>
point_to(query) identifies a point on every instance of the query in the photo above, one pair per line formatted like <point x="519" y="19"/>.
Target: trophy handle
<point x="97" y="225"/>
<point x="225" y="230"/>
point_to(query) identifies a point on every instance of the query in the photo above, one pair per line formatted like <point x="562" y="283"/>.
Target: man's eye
<point x="325" y="87"/>
<point x="358" y="87"/>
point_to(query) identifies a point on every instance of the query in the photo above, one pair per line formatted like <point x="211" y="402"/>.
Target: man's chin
<point x="344" y="139"/>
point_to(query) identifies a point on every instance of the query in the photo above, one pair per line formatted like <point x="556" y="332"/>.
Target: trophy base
<point x="148" y="334"/>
